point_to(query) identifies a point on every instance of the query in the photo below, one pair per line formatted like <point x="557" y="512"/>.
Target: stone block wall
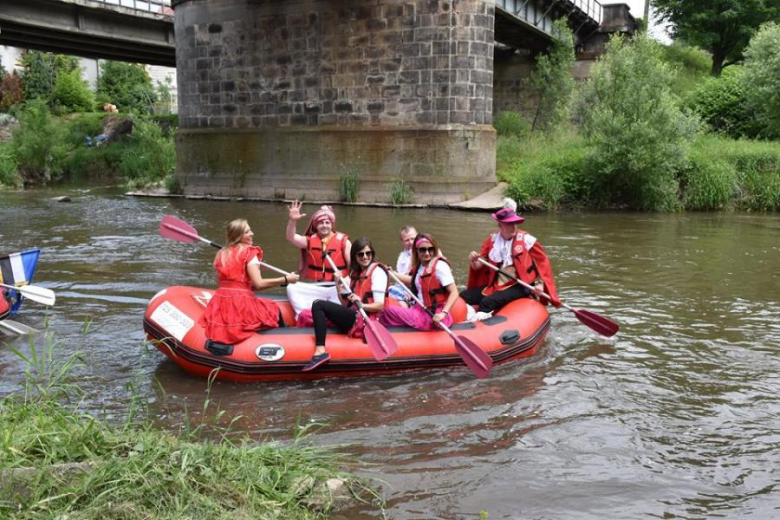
<point x="299" y="90"/>
<point x="362" y="62"/>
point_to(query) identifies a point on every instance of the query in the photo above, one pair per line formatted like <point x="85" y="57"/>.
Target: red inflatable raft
<point x="171" y="323"/>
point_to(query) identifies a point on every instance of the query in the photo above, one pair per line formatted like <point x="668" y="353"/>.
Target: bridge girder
<point x="527" y="24"/>
<point x="89" y="29"/>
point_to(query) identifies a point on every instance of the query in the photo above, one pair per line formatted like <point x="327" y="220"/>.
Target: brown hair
<point x="415" y="257"/>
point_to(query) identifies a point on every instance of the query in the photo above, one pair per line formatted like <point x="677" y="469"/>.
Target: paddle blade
<point x="475" y="358"/>
<point x="176" y="229"/>
<point x="596" y="322"/>
<point x="379" y="340"/>
<point x="14" y="328"/>
<point x="38" y="294"/>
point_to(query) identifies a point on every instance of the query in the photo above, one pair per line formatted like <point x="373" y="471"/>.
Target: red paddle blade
<point x="599" y="323"/>
<point x="379" y="340"/>
<point x="176" y="229"/>
<point x="474" y="357"/>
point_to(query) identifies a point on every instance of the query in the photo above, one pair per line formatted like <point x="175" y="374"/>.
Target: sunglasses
<point x="364" y="254"/>
<point x="423" y="250"/>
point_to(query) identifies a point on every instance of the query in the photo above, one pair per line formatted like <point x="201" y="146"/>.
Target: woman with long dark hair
<point x="368" y="282"/>
<point x="431" y="281"/>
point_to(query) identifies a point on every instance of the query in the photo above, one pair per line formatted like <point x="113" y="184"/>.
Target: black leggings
<point x="342" y="317"/>
<point x="496" y="300"/>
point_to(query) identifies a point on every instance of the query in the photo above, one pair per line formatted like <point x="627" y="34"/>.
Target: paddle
<point x="35" y="293"/>
<point x="379" y="340"/>
<point x="176" y="229"/>
<point x="14" y="327"/>
<point x="598" y="323"/>
<point x="475" y="358"/>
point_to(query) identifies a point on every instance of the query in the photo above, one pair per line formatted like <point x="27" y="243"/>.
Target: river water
<point x="678" y="416"/>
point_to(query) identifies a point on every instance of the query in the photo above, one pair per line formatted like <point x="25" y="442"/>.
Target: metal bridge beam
<point x="89" y="28"/>
<point x="529" y="23"/>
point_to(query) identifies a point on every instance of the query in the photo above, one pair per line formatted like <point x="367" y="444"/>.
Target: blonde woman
<point x="234" y="313"/>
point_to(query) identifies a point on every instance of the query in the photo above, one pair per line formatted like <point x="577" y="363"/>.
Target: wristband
<point x="286" y="282"/>
<point x="445" y="312"/>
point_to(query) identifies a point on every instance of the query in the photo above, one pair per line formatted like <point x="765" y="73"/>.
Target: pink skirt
<point x="415" y="317"/>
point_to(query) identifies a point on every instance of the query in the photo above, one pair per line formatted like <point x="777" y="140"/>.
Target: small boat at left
<point x="18" y="270"/>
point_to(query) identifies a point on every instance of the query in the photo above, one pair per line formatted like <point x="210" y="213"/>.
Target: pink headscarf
<point x="325" y="212"/>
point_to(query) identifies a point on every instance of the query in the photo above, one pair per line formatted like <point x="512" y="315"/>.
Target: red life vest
<point x="5" y="307"/>
<point x="525" y="267"/>
<point x="362" y="285"/>
<point x="232" y="273"/>
<point x="315" y="266"/>
<point x="433" y="293"/>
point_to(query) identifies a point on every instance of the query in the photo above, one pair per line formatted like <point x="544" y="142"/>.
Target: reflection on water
<point x="676" y="417"/>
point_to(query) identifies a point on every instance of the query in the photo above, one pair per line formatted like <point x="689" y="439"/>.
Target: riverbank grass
<point x="57" y="461"/>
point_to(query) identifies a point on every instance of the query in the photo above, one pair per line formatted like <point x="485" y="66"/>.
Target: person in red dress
<point x="234" y="313"/>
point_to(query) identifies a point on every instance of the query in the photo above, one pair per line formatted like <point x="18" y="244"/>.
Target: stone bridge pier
<point x="279" y="99"/>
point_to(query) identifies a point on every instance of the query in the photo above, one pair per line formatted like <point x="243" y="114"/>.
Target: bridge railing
<point x="149" y="6"/>
<point x="590" y="7"/>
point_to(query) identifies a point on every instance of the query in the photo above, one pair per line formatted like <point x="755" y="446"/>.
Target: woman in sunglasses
<point x="431" y="280"/>
<point x="368" y="284"/>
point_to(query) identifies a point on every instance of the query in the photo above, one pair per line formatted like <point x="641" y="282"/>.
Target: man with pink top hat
<point x="319" y="238"/>
<point x="516" y="252"/>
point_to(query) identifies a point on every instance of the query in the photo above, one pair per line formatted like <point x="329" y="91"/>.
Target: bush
<point x="126" y="85"/>
<point x="708" y="184"/>
<point x="754" y="164"/>
<point x="11" y="91"/>
<point x="551" y="82"/>
<point x="401" y="192"/>
<point x="545" y="171"/>
<point x="38" y="143"/>
<point x="636" y="133"/>
<point x="41" y="70"/>
<point x="9" y="176"/>
<point x="685" y="56"/>
<point x="71" y="93"/>
<point x="722" y="104"/>
<point x="349" y="184"/>
<point x="149" y="156"/>
<point x="762" y="78"/>
<point x="509" y="123"/>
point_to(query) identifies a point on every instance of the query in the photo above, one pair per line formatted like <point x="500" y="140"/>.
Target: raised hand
<point x="294" y="211"/>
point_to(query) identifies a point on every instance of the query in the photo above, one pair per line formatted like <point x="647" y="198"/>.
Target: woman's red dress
<point x="234" y="312"/>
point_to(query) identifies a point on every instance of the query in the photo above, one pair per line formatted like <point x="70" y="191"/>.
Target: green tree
<point x="72" y="94"/>
<point x="637" y="136"/>
<point x="40" y="72"/>
<point x="762" y="78"/>
<point x="551" y="81"/>
<point x="126" y="85"/>
<point x="37" y="143"/>
<point x="722" y="27"/>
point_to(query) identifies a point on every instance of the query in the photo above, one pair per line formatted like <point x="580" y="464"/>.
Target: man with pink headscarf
<point x="319" y="238"/>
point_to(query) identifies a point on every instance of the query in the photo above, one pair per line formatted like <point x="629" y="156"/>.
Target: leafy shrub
<point x="126" y="85"/>
<point x="722" y="104"/>
<point x="11" y="91"/>
<point x="755" y="164"/>
<point x="9" y="176"/>
<point x="99" y="162"/>
<point x="41" y="70"/>
<point x="551" y="82"/>
<point x="689" y="57"/>
<point x="71" y="93"/>
<point x="509" y="123"/>
<point x="349" y="183"/>
<point x="149" y="156"/>
<point x="708" y="184"/>
<point x="762" y="78"/>
<point x="545" y="171"/>
<point x="401" y="192"/>
<point x="38" y="143"/>
<point x="636" y="133"/>
<point x="81" y="125"/>
<point x="173" y="185"/>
